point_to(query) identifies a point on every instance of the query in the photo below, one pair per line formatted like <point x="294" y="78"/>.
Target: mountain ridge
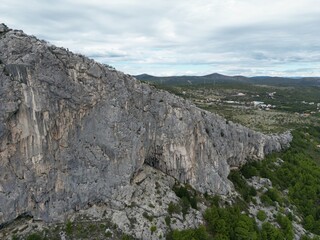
<point x="74" y="132"/>
<point x="220" y="78"/>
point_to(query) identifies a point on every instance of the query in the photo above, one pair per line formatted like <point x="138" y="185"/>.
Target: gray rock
<point x="3" y="28"/>
<point x="143" y="204"/>
<point x="74" y="132"/>
<point x="259" y="183"/>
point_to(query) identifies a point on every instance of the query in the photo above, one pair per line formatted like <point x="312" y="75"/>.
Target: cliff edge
<point x="73" y="131"/>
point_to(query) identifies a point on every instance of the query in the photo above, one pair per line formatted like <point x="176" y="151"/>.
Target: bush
<point x="242" y="186"/>
<point x="285" y="225"/>
<point x="183" y="192"/>
<point x="167" y="220"/>
<point x="229" y="223"/>
<point x="273" y="194"/>
<point x="261" y="215"/>
<point x="108" y="234"/>
<point x="185" y="205"/>
<point x="153" y="229"/>
<point x="174" y="208"/>
<point x="213" y="200"/>
<point x="189" y="234"/>
<point x="34" y="236"/>
<point x="127" y="237"/>
<point x="249" y="171"/>
<point x="270" y="232"/>
<point x="14" y="237"/>
<point x="266" y="200"/>
<point x="147" y="216"/>
<point x="69" y="228"/>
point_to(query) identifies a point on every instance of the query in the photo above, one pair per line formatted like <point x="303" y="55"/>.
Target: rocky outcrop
<point x="3" y="28"/>
<point x="139" y="206"/>
<point x="133" y="210"/>
<point x="73" y="131"/>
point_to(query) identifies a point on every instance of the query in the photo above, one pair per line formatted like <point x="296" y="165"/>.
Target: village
<point x="242" y="100"/>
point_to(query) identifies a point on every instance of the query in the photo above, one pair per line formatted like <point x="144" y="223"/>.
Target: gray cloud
<point x="165" y="37"/>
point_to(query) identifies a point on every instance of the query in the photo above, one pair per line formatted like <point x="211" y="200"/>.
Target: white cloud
<point x="164" y="37"/>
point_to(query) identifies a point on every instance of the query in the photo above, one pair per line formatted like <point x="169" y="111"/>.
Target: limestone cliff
<point x="73" y="131"/>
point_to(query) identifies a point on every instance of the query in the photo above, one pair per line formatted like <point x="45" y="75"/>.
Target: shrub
<point x="285" y="225"/>
<point x="269" y="231"/>
<point x="185" y="205"/>
<point x="273" y="194"/>
<point x="242" y="186"/>
<point x="34" y="236"/>
<point x="147" y="216"/>
<point x="194" y="234"/>
<point x="174" y="208"/>
<point x="266" y="200"/>
<point x="249" y="171"/>
<point x="14" y="237"/>
<point x="261" y="215"/>
<point x="167" y="220"/>
<point x="183" y="192"/>
<point x="127" y="237"/>
<point x="69" y="228"/>
<point x="153" y="229"/>
<point x="108" y="234"/>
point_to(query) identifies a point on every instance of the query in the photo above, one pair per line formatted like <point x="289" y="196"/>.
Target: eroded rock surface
<point x="144" y="204"/>
<point x="73" y="132"/>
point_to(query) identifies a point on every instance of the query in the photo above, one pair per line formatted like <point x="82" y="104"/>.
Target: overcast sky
<point x="165" y="37"/>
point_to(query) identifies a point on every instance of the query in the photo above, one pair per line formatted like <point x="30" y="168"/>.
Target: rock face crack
<point x="75" y="131"/>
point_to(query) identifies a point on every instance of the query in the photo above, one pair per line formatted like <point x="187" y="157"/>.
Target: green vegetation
<point x="14" y="237"/>
<point x="168" y="220"/>
<point x="153" y="229"/>
<point x="285" y="225"/>
<point x="297" y="170"/>
<point x="108" y="234"/>
<point x="174" y="208"/>
<point x="261" y="215"/>
<point x="231" y="223"/>
<point x="271" y="197"/>
<point x="286" y="98"/>
<point x="269" y="232"/>
<point x="78" y="230"/>
<point x="187" y="194"/>
<point x="290" y="102"/>
<point x="188" y="198"/>
<point x="295" y="175"/>
<point x="242" y="186"/>
<point x="127" y="237"/>
<point x="189" y="234"/>
<point x="147" y="216"/>
<point x="34" y="236"/>
<point x="69" y="228"/>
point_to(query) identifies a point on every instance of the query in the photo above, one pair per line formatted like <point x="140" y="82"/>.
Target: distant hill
<point x="221" y="79"/>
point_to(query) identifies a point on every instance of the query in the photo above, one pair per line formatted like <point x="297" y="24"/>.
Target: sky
<point x="181" y="37"/>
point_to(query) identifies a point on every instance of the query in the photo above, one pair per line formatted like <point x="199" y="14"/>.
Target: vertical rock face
<point x="72" y="131"/>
